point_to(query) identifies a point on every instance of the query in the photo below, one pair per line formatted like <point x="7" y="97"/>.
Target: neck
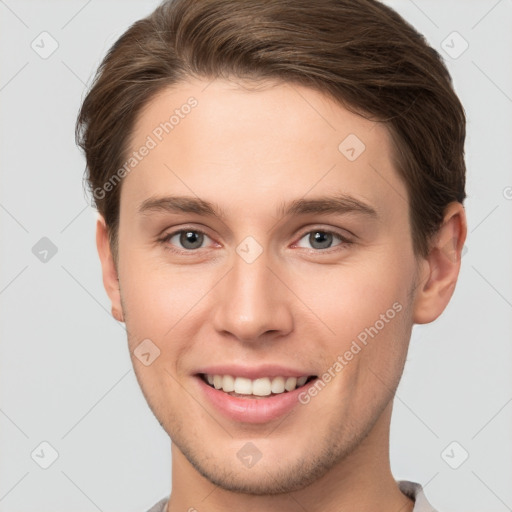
<point x="362" y="481"/>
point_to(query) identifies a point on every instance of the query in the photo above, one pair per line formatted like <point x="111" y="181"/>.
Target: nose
<point x="253" y="304"/>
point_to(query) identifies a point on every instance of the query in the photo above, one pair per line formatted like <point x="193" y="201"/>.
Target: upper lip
<point x="254" y="372"/>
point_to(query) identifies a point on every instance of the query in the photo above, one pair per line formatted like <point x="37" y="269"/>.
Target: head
<point x="280" y="189"/>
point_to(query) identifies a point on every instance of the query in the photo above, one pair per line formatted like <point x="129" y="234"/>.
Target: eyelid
<point x="166" y="236"/>
<point x="328" y="230"/>
<point x="344" y="240"/>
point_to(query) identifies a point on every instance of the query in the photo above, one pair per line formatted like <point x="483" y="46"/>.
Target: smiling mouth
<point x="257" y="388"/>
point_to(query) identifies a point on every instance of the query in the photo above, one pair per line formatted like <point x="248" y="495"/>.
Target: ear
<point x="440" y="270"/>
<point x="109" y="271"/>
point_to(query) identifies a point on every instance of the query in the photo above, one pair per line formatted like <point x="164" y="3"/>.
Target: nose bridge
<point x="252" y="301"/>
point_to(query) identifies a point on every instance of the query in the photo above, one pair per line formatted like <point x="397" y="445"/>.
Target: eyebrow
<point x="339" y="204"/>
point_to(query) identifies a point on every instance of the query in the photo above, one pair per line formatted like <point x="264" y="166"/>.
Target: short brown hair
<point x="360" y="53"/>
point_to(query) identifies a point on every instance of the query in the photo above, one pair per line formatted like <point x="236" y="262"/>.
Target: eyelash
<point x="168" y="247"/>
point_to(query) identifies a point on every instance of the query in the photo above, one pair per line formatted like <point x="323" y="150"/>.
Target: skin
<point x="249" y="149"/>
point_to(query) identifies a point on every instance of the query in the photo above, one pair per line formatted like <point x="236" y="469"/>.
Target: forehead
<point x="259" y="143"/>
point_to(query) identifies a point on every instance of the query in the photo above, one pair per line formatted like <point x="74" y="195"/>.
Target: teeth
<point x="217" y="381"/>
<point x="228" y="383"/>
<point x="243" y="386"/>
<point x="277" y="385"/>
<point x="259" y="387"/>
<point x="301" y="381"/>
<point x="290" y="384"/>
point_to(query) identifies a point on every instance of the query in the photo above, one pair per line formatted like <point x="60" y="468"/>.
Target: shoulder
<point x="160" y="506"/>
<point x="415" y="491"/>
<point x="411" y="489"/>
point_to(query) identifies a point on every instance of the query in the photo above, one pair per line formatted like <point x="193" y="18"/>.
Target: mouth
<point x="259" y="388"/>
<point x="253" y="394"/>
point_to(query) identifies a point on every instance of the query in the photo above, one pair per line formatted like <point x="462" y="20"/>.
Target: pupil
<point x="324" y="239"/>
<point x="191" y="237"/>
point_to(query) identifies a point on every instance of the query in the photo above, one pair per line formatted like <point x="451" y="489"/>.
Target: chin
<point x="265" y="477"/>
<point x="262" y="481"/>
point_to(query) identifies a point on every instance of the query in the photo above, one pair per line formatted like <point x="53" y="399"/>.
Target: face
<point x="264" y="237"/>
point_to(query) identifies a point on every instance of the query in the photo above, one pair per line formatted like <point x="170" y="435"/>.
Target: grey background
<point x="65" y="373"/>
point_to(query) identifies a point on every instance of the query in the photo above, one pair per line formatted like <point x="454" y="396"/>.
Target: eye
<point x="321" y="239"/>
<point x="188" y="239"/>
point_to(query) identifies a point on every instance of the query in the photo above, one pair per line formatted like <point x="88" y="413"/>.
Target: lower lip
<point x="253" y="410"/>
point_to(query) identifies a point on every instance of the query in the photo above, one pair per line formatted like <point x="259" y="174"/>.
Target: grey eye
<point x="319" y="239"/>
<point x="188" y="239"/>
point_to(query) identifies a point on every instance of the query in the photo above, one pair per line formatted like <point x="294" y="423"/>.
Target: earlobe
<point x="118" y="315"/>
<point x="109" y="271"/>
<point x="437" y="282"/>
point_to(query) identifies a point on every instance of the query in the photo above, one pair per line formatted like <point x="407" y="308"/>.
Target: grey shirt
<point x="410" y="489"/>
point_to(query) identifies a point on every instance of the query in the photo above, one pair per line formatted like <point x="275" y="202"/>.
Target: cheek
<point x="157" y="297"/>
<point x="362" y="313"/>
<point x="347" y="299"/>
